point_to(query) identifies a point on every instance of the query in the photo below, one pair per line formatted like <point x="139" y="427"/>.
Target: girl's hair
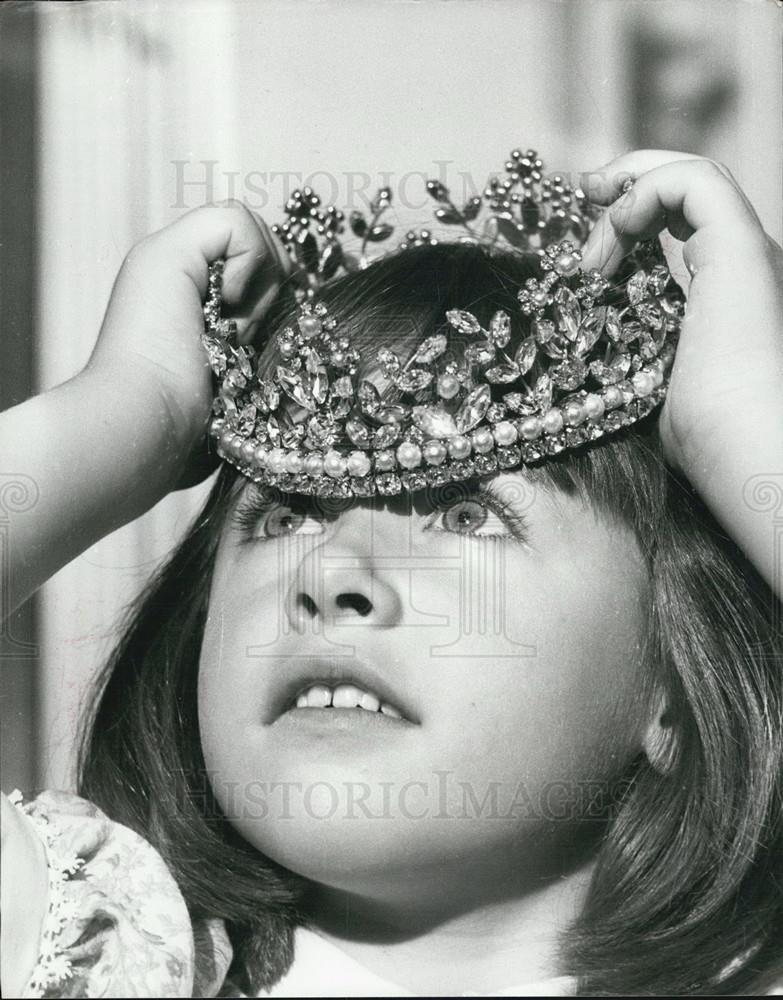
<point x="686" y="896"/>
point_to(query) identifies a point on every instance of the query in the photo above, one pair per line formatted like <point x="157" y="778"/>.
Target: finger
<point x="279" y="270"/>
<point x="696" y="190"/>
<point x="605" y="184"/>
<point x="605" y="248"/>
<point x="681" y="197"/>
<point x="275" y="245"/>
<point x="252" y="278"/>
<point x="222" y="230"/>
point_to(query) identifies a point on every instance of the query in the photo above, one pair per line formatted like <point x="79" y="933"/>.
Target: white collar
<point x="321" y="969"/>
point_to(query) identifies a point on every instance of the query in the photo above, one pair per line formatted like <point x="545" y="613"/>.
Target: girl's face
<point x="499" y="625"/>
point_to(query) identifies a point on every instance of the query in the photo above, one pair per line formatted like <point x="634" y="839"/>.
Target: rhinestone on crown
<point x="601" y="355"/>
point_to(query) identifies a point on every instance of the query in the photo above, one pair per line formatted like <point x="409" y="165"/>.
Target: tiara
<point x="595" y="357"/>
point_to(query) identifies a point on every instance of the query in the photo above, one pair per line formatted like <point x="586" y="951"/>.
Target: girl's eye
<point x="286" y="521"/>
<point x="261" y="519"/>
<point x="468" y="516"/>
<point x="483" y="516"/>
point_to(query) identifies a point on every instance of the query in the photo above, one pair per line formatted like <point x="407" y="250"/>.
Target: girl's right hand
<point x="100" y="450"/>
<point x="150" y="337"/>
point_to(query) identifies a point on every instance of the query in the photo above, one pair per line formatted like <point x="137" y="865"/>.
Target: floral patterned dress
<point x="115" y="923"/>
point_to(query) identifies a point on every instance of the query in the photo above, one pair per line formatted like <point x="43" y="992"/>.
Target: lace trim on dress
<point x="53" y="966"/>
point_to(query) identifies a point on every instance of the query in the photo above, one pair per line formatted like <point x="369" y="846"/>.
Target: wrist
<point x="142" y="434"/>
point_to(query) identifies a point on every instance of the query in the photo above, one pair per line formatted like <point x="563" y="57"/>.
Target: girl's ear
<point x="660" y="739"/>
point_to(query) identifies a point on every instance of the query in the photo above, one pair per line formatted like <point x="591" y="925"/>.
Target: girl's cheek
<point x="245" y="612"/>
<point x="569" y="680"/>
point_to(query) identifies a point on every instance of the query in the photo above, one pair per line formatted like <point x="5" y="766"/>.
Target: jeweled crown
<point x="601" y="353"/>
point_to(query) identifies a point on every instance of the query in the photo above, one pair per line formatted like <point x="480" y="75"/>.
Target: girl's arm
<point x="104" y="447"/>
<point x="722" y="421"/>
<point x="100" y="451"/>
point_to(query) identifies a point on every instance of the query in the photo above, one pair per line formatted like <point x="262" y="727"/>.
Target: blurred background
<point x="117" y="117"/>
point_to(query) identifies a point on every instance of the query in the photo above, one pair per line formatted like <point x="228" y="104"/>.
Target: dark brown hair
<point x="686" y="898"/>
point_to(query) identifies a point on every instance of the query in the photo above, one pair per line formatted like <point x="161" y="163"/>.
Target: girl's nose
<point x="339" y="583"/>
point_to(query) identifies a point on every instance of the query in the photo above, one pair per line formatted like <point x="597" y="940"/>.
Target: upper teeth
<point x="344" y="696"/>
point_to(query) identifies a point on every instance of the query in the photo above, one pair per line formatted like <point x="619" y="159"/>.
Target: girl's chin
<point x="347" y="854"/>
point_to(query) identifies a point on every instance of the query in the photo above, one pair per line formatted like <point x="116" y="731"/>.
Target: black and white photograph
<point x="391" y="498"/>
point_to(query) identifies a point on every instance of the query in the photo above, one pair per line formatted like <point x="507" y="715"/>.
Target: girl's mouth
<point x="340" y="689"/>
<point x="321" y="695"/>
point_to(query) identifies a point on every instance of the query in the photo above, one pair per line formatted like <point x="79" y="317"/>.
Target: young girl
<point x="561" y="768"/>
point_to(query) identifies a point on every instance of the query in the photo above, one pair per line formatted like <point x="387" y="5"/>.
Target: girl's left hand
<point x="722" y="420"/>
